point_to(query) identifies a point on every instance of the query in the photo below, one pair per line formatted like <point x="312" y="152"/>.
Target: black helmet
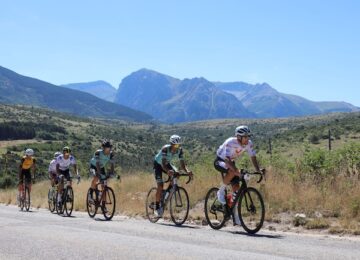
<point x="106" y="144"/>
<point x="66" y="149"/>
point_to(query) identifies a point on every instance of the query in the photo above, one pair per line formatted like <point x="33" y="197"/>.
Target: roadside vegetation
<point x="307" y="186"/>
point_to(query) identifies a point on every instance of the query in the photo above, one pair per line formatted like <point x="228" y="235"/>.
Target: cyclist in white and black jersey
<point x="63" y="163"/>
<point x="230" y="150"/>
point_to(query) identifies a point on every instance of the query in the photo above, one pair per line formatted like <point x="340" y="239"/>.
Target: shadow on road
<point x="253" y="235"/>
<point x="101" y="219"/>
<point x="182" y="226"/>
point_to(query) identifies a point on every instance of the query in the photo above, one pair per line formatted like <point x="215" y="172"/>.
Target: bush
<point x="314" y="139"/>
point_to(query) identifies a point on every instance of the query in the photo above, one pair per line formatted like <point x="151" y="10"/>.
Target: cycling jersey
<point x="232" y="149"/>
<point x="64" y="164"/>
<point x="52" y="166"/>
<point x="166" y="153"/>
<point x="27" y="162"/>
<point x="102" y="158"/>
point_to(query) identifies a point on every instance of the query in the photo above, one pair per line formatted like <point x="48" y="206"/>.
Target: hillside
<point x="18" y="89"/>
<point x="267" y="102"/>
<point x="172" y="100"/>
<point x="100" y="89"/>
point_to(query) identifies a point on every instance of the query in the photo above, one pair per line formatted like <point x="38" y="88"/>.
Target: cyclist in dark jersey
<point x="99" y="162"/>
<point x="162" y="164"/>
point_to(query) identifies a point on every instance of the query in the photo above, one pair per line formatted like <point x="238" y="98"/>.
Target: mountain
<point x="266" y="101"/>
<point x="18" y="89"/>
<point x="173" y="100"/>
<point x="100" y="89"/>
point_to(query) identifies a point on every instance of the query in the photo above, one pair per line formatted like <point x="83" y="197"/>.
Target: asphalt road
<point x="42" y="235"/>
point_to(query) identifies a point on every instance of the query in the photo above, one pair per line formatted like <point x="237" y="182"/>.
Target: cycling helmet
<point x="56" y="154"/>
<point x="29" y="152"/>
<point x="106" y="144"/>
<point x="242" y="130"/>
<point x="66" y="149"/>
<point x="175" y="139"/>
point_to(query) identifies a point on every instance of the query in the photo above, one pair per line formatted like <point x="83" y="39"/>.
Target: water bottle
<point x="229" y="199"/>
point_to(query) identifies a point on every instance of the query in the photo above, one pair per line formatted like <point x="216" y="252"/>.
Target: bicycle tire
<point x="69" y="201"/>
<point x="150" y="201"/>
<point x="177" y="199"/>
<point x="247" y="207"/>
<point x="212" y="208"/>
<point x="108" y="194"/>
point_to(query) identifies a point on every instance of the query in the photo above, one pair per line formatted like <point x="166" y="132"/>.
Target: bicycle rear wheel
<point x="27" y="199"/>
<point x="59" y="205"/>
<point x="214" y="210"/>
<point x="22" y="200"/>
<point x="108" y="204"/>
<point x="179" y="206"/>
<point x="251" y="210"/>
<point x="51" y="200"/>
<point x="91" y="204"/>
<point x="150" y="205"/>
<point x="69" y="201"/>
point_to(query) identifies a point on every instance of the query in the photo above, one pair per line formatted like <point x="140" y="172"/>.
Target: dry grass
<point x="337" y="198"/>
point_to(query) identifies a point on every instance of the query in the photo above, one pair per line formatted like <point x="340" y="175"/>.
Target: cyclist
<point x="98" y="163"/>
<point x="231" y="149"/>
<point x="26" y="170"/>
<point x="63" y="163"/>
<point x="162" y="164"/>
<point x="52" y="170"/>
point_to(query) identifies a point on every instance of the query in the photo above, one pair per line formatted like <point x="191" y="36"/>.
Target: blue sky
<point x="309" y="48"/>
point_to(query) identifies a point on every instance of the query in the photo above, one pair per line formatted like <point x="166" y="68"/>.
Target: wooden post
<point x="270" y="147"/>
<point x="329" y="140"/>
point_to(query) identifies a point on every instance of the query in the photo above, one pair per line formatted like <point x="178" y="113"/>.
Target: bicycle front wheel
<point x="108" y="203"/>
<point x="27" y="199"/>
<point x="179" y="206"/>
<point x="51" y="200"/>
<point x="91" y="204"/>
<point x="150" y="205"/>
<point x="214" y="210"/>
<point x="251" y="210"/>
<point x="69" y="201"/>
<point x="59" y="204"/>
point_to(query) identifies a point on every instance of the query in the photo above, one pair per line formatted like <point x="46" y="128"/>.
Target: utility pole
<point x="329" y="136"/>
<point x="270" y="147"/>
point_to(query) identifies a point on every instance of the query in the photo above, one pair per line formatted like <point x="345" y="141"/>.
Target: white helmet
<point x="29" y="152"/>
<point x="56" y="154"/>
<point x="242" y="130"/>
<point x="175" y="139"/>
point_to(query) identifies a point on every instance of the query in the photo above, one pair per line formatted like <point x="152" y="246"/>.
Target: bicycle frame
<point x="245" y="177"/>
<point x="173" y="187"/>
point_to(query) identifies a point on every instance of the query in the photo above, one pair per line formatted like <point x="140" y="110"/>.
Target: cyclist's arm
<point x="33" y="169"/>
<point x="98" y="168"/>
<point x="20" y="168"/>
<point x="58" y="169"/>
<point x="112" y="167"/>
<point x="164" y="165"/>
<point x="255" y="163"/>
<point x="75" y="169"/>
<point x="112" y="163"/>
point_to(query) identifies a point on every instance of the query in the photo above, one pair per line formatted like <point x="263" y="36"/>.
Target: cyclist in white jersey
<point x="63" y="163"/>
<point x="230" y="150"/>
